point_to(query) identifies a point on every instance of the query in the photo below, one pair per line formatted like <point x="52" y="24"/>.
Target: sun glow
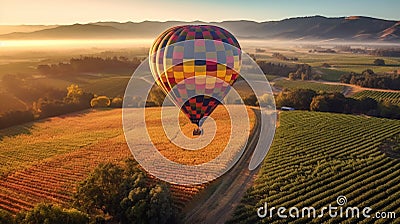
<point x="77" y="43"/>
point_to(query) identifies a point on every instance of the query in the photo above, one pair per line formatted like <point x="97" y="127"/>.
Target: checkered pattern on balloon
<point x="196" y="66"/>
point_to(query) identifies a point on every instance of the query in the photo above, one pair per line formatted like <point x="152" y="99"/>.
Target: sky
<point x="47" y="12"/>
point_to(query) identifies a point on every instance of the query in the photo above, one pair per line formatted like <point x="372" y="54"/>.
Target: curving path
<point x="221" y="197"/>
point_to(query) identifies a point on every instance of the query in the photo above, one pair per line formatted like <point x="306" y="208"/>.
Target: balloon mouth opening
<point x="198" y="122"/>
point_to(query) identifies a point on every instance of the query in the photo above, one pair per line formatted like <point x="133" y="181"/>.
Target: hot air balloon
<point x="196" y="65"/>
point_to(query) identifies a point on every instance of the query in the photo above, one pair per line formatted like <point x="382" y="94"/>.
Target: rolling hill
<point x="353" y="28"/>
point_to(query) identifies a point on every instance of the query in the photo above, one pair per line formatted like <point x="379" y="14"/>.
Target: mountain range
<point x="319" y="28"/>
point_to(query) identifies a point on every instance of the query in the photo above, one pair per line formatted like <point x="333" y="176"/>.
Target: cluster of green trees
<point x="379" y="62"/>
<point x="298" y="71"/>
<point x="372" y="80"/>
<point x="75" y="100"/>
<point x="45" y="213"/>
<point x="276" y="69"/>
<point x="115" y="65"/>
<point x="306" y="99"/>
<point x="303" y="72"/>
<point x="124" y="194"/>
<point x="110" y="194"/>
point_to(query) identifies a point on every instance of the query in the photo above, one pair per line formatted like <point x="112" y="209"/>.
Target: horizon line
<point x="191" y="21"/>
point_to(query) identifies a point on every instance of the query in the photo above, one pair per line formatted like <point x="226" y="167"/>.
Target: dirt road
<point x="221" y="197"/>
<point x="350" y="89"/>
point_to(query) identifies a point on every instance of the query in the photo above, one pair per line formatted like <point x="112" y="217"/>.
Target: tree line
<point x="297" y="71"/>
<point x="368" y="78"/>
<point x="73" y="100"/>
<point x="75" y="66"/>
<point x="386" y="52"/>
<point x="283" y="57"/>
<point x="306" y="99"/>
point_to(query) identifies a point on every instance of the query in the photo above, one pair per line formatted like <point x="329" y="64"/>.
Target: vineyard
<point x="318" y="87"/>
<point x="393" y="97"/>
<point x="317" y="157"/>
<point x="193" y="157"/>
<point x="44" y="161"/>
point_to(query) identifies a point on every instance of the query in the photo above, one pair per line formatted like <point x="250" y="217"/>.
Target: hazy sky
<point x="83" y="11"/>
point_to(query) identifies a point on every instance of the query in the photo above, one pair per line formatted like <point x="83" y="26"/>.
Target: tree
<point x="101" y="191"/>
<point x="353" y="80"/>
<point x="267" y="100"/>
<point x="333" y="102"/>
<point x="156" y="96"/>
<point x="319" y="103"/>
<point x="298" y="98"/>
<point x="148" y="205"/>
<point x="116" y="102"/>
<point x="388" y="110"/>
<point x="47" y="214"/>
<point x="367" y="104"/>
<point x="251" y="100"/>
<point x="292" y="76"/>
<point x="100" y="102"/>
<point x="160" y="207"/>
<point x="74" y="94"/>
<point x="6" y="217"/>
<point x="379" y="62"/>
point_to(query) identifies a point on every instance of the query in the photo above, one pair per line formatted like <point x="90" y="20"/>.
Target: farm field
<point x="393" y="97"/>
<point x="298" y="84"/>
<point x="44" y="161"/>
<point x="315" y="157"/>
<point x="340" y="62"/>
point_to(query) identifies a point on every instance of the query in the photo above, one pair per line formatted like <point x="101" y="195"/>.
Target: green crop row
<point x="315" y="158"/>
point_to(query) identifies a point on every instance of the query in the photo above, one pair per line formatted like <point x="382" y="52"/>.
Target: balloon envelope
<point x="196" y="64"/>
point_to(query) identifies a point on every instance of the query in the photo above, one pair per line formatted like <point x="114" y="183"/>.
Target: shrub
<point x="251" y="100"/>
<point x="6" y="217"/>
<point x="100" y="102"/>
<point x="379" y="62"/>
<point x="116" y="102"/>
<point x="47" y="213"/>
